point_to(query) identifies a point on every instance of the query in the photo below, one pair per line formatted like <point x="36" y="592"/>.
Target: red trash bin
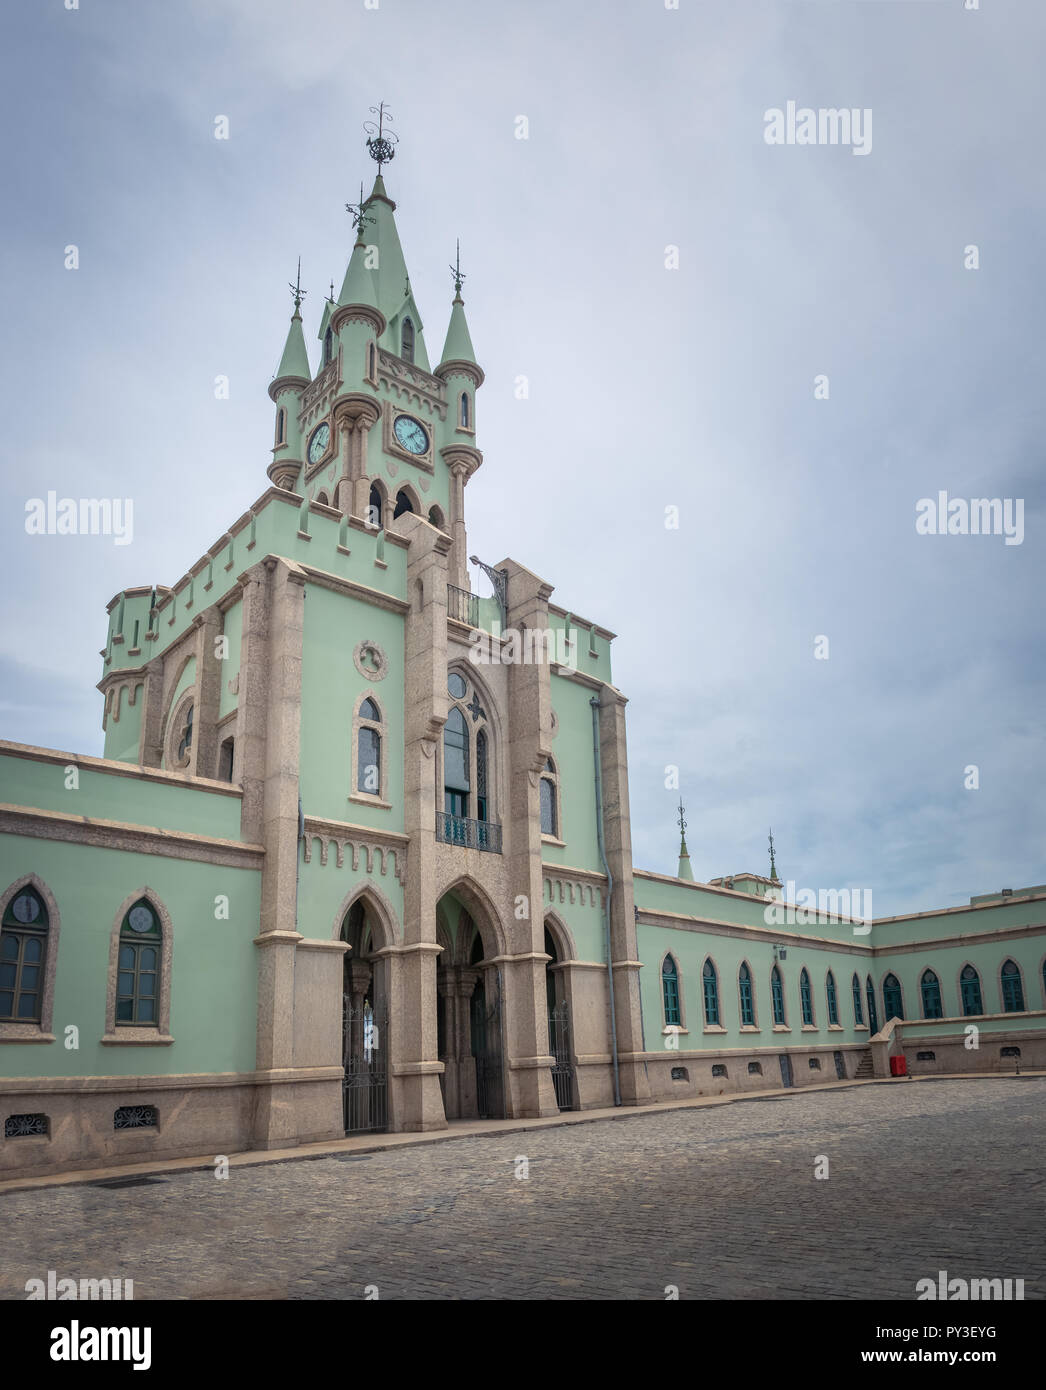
<point x="898" y="1066"/>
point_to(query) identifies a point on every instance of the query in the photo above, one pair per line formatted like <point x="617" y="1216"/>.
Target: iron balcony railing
<point x="462" y="606"/>
<point x="470" y="834"/>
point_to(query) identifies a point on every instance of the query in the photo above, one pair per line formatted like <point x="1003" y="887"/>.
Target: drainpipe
<point x="610" y="889"/>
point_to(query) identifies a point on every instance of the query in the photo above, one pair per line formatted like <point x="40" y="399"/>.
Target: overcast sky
<point x="650" y="387"/>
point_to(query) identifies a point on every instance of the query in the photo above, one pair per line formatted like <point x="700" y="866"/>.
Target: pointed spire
<point x="295" y="360"/>
<point x="773" y="866"/>
<point x="458" y="347"/>
<point x="685" y="871"/>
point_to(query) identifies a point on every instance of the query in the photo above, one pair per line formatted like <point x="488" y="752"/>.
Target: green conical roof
<point x="382" y="280"/>
<point x="295" y="360"/>
<point x="458" y="347"/>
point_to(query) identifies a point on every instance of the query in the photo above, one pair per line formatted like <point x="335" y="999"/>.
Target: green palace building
<point x="358" y="853"/>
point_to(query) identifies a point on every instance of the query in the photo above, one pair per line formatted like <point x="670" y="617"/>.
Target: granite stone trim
<point x="136" y="839"/>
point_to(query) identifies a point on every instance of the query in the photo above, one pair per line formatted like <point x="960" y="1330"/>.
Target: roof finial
<point x="773" y="866"/>
<point x="381" y="143"/>
<point x="685" y="871"/>
<point x="359" y="218"/>
<point x="297" y="291"/>
<point x="455" y="270"/>
<point x="330" y="297"/>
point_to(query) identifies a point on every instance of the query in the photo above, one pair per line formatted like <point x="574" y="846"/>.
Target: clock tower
<point x="376" y="433"/>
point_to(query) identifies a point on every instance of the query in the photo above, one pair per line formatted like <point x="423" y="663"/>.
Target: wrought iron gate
<point x="786" y="1068"/>
<point x="486" y="1049"/>
<point x="559" y="1046"/>
<point x="365" y="1090"/>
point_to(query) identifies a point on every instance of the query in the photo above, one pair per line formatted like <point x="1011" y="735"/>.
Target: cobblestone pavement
<point x="721" y="1202"/>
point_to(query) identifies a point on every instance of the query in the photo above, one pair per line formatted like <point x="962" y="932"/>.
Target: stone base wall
<point x="951" y="1054"/>
<point x="699" y="1079"/>
<point x="195" y="1117"/>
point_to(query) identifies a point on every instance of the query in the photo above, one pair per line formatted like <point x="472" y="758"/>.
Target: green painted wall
<point x="323" y="889"/>
<point x="572" y="751"/>
<point x="109" y="796"/>
<point x="122" y="736"/>
<point x="331" y="684"/>
<point x="214" y="966"/>
<point x="584" y="922"/>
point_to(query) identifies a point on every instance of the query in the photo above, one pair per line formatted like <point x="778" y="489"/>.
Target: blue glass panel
<point x="9" y="947"/>
<point x="34" y="949"/>
<point x="27" y="1006"/>
<point x="145" y="1011"/>
<point x="7" y="974"/>
<point x="126" y="957"/>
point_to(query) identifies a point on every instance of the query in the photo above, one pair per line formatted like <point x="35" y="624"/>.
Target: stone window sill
<point x="714" y="1028"/>
<point x="23" y="1033"/>
<point x="372" y="801"/>
<point x="551" y="840"/>
<point x="836" y="1028"/>
<point x="781" y="1028"/>
<point x="749" y="1028"/>
<point x="860" y="1028"/>
<point x="809" y="1028"/>
<point x="136" y="1037"/>
<point x="670" y="1028"/>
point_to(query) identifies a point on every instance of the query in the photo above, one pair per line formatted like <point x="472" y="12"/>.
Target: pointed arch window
<point x="407" y="340"/>
<point x="466" y="411"/>
<point x="138" y="968"/>
<point x="930" y="986"/>
<point x="403" y="504"/>
<point x="710" y="982"/>
<point x="23" y="957"/>
<point x="372" y="362"/>
<point x="370" y="729"/>
<point x="1012" y="989"/>
<point x="281" y="419"/>
<point x="185" y="739"/>
<point x="806" y="998"/>
<point x="893" y="1004"/>
<point x="777" y="996"/>
<point x="375" y="508"/>
<point x="456" y="763"/>
<point x="481" y="775"/>
<point x="744" y="985"/>
<point x="855" y="986"/>
<point x="873" y="1013"/>
<point x="670" y="990"/>
<point x="970" y="988"/>
<point x="550" y="800"/>
<point x="833" y="1002"/>
<point x="328" y="346"/>
<point x="469" y="771"/>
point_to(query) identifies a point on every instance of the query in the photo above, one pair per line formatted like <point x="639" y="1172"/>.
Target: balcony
<point x="462" y="606"/>
<point x="470" y="834"/>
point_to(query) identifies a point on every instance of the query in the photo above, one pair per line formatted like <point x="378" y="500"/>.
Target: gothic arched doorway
<point x="558" y="1025"/>
<point x="365" y="1016"/>
<point x="469" y="1018"/>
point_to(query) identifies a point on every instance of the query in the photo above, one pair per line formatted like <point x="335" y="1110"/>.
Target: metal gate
<point x="365" y="1089"/>
<point x="486" y="1049"/>
<point x="786" y="1067"/>
<point x="840" y="1066"/>
<point x="559" y="1046"/>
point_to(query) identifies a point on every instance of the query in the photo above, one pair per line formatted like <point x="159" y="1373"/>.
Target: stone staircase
<point x="864" y="1070"/>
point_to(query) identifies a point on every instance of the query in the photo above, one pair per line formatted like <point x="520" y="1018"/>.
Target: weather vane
<point x="330" y="297"/>
<point x="297" y="291"/>
<point x="773" y="866"/>
<point x="381" y="142"/>
<point x="455" y="270"/>
<point x="358" y="215"/>
<point x="682" y="822"/>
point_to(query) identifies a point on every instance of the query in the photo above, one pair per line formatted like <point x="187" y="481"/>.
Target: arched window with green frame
<point x="670" y="991"/>
<point x="777" y="995"/>
<point x="1012" y="989"/>
<point x="855" y="986"/>
<point x="710" y="982"/>
<point x="137" y="980"/>
<point x="806" y="998"/>
<point x="23" y="953"/>
<point x="744" y="986"/>
<point x="930" y="987"/>
<point x="833" y="1002"/>
<point x="970" y="988"/>
<point x="893" y="1004"/>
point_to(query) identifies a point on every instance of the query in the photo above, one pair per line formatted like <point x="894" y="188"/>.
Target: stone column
<point x="274" y="603"/>
<point x="150" y="747"/>
<point x="624" y="949"/>
<point x="529" y="1062"/>
<point x="208" y="693"/>
<point x="416" y="1066"/>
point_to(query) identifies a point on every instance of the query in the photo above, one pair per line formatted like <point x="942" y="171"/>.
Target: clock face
<point x="321" y="437"/>
<point x="411" y="435"/>
<point x="140" y="919"/>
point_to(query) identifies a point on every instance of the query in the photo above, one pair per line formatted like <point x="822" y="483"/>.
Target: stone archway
<point x="469" y="1030"/>
<point x="366" y="993"/>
